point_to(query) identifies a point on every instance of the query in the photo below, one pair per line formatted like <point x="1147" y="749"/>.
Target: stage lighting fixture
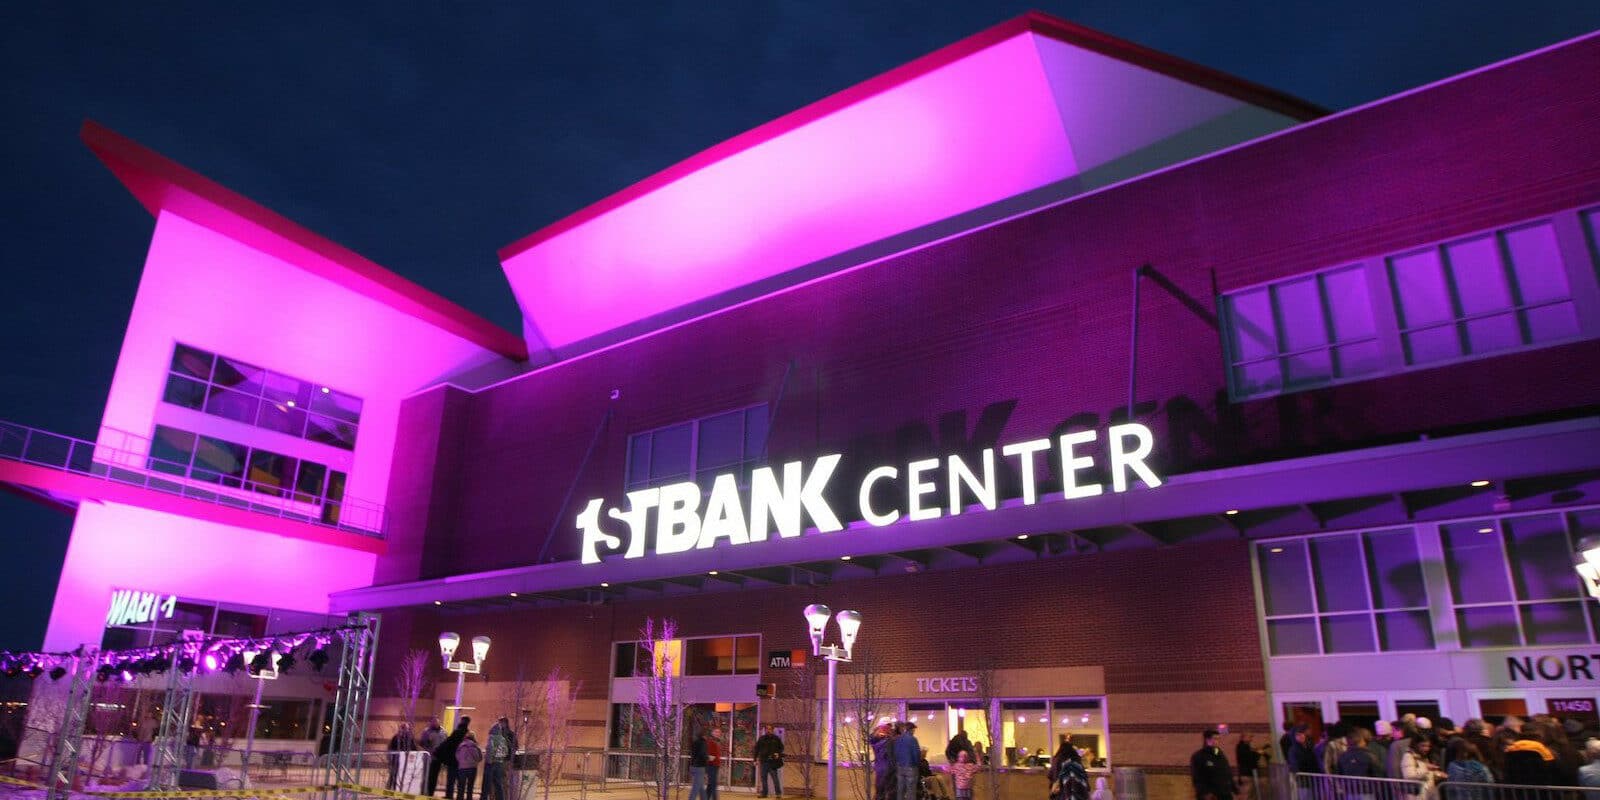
<point x="103" y="674"/>
<point x="318" y="658"/>
<point x="261" y="663"/>
<point x="235" y="663"/>
<point x="210" y="662"/>
<point x="57" y="673"/>
<point x="35" y="671"/>
<point x="285" y="662"/>
<point x="186" y="664"/>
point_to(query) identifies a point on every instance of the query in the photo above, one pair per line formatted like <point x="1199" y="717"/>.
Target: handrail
<point x="43" y="448"/>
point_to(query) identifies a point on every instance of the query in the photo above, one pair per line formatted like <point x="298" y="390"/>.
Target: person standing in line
<point x="432" y="736"/>
<point x="1071" y="778"/>
<point x="697" y="766"/>
<point x="1358" y="760"/>
<point x="1248" y="759"/>
<point x="446" y="753"/>
<point x="502" y="746"/>
<point x="959" y="743"/>
<point x="1301" y="757"/>
<point x="768" y="753"/>
<point x="468" y="757"/>
<point x="962" y="771"/>
<point x="713" y="762"/>
<point x="1466" y="764"/>
<point x="400" y="744"/>
<point x="907" y="753"/>
<point x="1589" y="774"/>
<point x="1209" y="770"/>
<point x="882" y="742"/>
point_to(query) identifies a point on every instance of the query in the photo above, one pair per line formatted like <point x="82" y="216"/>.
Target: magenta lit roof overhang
<point x="161" y="184"/>
<point x="1029" y="111"/>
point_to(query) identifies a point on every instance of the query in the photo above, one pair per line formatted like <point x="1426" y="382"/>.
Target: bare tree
<point x="523" y="706"/>
<point x="796" y="708"/>
<point x="859" y="715"/>
<point x="412" y="683"/>
<point x="553" y="736"/>
<point x="986" y="675"/>
<point x="659" y="706"/>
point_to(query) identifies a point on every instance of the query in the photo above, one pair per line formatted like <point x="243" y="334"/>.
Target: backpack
<point x="499" y="746"/>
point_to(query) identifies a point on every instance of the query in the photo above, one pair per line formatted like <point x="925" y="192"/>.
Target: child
<point x="467" y="757"/>
<point x="1100" y="790"/>
<point x="961" y="774"/>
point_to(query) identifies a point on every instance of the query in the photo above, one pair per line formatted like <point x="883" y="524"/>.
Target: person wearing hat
<point x="907" y="752"/>
<point x="1209" y="770"/>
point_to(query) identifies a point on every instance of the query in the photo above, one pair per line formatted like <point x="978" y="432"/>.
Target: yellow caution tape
<point x="19" y="782"/>
<point x="382" y="792"/>
<point x="214" y="792"/>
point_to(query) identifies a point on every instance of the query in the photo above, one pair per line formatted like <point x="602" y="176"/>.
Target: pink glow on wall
<point x="992" y="124"/>
<point x="205" y="289"/>
<point x="125" y="547"/>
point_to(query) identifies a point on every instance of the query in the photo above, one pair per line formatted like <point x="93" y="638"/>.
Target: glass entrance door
<point x="737" y="722"/>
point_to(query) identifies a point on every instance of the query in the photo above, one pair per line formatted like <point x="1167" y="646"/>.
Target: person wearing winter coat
<point x="962" y="771"/>
<point x="1415" y="765"/>
<point x="432" y="736"/>
<point x="1071" y="780"/>
<point x="499" y="749"/>
<point x="1358" y="760"/>
<point x="699" y="759"/>
<point x="959" y="743"/>
<point x="468" y="756"/>
<point x="399" y="744"/>
<point x="1466" y="763"/>
<point x="768" y="754"/>
<point x="1528" y="762"/>
<point x="445" y="753"/>
<point x="883" y="783"/>
<point x="1209" y="770"/>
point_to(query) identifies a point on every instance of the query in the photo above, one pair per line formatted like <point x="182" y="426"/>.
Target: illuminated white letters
<point x="678" y="526"/>
<point x="959" y="474"/>
<point x="1070" y="465"/>
<point x="129" y="607"/>
<point x="876" y="519"/>
<point x="918" y="488"/>
<point x="724" y="514"/>
<point x="784" y="498"/>
<point x="1024" y="452"/>
<point x="1122" y="460"/>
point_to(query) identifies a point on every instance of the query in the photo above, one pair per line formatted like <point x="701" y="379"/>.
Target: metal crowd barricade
<point x="1505" y="791"/>
<point x="1315" y="786"/>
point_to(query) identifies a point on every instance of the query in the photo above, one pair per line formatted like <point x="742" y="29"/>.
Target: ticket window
<point x="1421" y="708"/>
<point x="1308" y="713"/>
<point x="1494" y="710"/>
<point x="1360" y="712"/>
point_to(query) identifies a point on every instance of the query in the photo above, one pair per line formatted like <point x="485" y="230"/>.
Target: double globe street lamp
<point x="849" y="625"/>
<point x="447" y="648"/>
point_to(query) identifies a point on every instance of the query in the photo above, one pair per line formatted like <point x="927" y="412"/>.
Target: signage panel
<point x="133" y="607"/>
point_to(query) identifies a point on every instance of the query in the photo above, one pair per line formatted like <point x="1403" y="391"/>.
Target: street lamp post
<point x="447" y="647"/>
<point x="849" y="624"/>
<point x="262" y="675"/>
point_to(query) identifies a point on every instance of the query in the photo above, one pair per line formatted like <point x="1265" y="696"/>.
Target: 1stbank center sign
<point x="782" y="498"/>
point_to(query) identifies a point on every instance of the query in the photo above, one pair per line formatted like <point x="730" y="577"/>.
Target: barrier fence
<point x="1313" y="786"/>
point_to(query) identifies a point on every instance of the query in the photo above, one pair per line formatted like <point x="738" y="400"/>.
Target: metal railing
<point x="132" y="464"/>
<point x="1127" y="783"/>
<point x="625" y="766"/>
<point x="1506" y="791"/>
<point x="1316" y="786"/>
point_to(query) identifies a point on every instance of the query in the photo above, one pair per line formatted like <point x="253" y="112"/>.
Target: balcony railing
<point x="132" y="465"/>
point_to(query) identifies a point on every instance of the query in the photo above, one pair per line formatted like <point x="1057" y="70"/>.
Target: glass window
<point x="1344" y="593"/>
<point x="287" y="719"/>
<point x="729" y="443"/>
<point x="271" y="473"/>
<point x="747" y="658"/>
<point x="1025" y="727"/>
<point x="233" y="389"/>
<point x="206" y="458"/>
<point x="1304" y="331"/>
<point x="709" y="656"/>
<point x="217" y="461"/>
<point x="171" y="450"/>
<point x="308" y="484"/>
<point x="1482" y="294"/>
<point x="1512" y="581"/>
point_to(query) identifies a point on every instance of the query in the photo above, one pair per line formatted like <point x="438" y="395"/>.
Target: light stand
<point x="849" y="624"/>
<point x="261" y="676"/>
<point x="447" y="648"/>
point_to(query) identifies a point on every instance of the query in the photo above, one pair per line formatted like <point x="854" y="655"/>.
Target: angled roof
<point x="160" y="183"/>
<point x="1031" y="103"/>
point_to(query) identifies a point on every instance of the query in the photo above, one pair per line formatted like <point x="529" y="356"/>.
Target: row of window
<point x="711" y="655"/>
<point x="221" y="721"/>
<point x="1510" y="583"/>
<point x="232" y="389"/>
<point x="699" y="450"/>
<point x="213" y="460"/>
<point x="1487" y="293"/>
<point x="215" y="619"/>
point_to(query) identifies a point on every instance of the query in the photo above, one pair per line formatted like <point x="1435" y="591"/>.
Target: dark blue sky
<point x="426" y="135"/>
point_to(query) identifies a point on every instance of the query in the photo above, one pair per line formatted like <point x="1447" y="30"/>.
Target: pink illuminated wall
<point x="126" y="547"/>
<point x="1021" y="113"/>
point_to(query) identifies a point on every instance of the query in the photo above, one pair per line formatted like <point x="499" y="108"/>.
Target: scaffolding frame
<point x="68" y="745"/>
<point x="177" y="708"/>
<point x="347" y="736"/>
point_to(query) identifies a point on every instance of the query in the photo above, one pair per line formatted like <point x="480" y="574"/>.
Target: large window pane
<point x="1349" y="302"/>
<point x="185" y="392"/>
<point x="1252" y="325"/>
<point x="1025" y="727"/>
<point x="277" y="416"/>
<point x="1555" y="623"/>
<point x="236" y="406"/>
<point x="1536" y="261"/>
<point x="1340" y="574"/>
<point x="721" y="441"/>
<point x="1421" y="294"/>
<point x="1490" y="626"/>
<point x="271" y="473"/>
<point x="1395" y="569"/>
<point x="308" y="484"/>
<point x="1292" y="636"/>
<point x="337" y="405"/>
<point x="1432" y="344"/>
<point x="1405" y="630"/>
<point x="1488" y="334"/>
<point x="1315" y="366"/>
<point x="286" y="391"/>
<point x="1476" y="565"/>
<point x="170" y="450"/>
<point x="331" y="432"/>
<point x="709" y="656"/>
<point x="1480" y="278"/>
<point x="1541" y="558"/>
<point x="1257" y="377"/>
<point x="1300" y="314"/>
<point x="1285" y="581"/>
<point x="1358" y="359"/>
<point x="239" y="376"/>
<point x="1347" y="633"/>
<point x="218" y="461"/>
<point x="1551" y="323"/>
<point x="670" y="455"/>
<point x="755" y="432"/>
<point x="192" y="361"/>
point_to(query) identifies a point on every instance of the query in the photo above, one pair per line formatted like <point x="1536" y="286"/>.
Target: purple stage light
<point x="211" y="662"/>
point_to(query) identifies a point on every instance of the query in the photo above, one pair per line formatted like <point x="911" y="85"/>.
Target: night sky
<point x="426" y="135"/>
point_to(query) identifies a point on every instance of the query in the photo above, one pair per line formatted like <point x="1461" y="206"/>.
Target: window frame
<point x="262" y="399"/>
<point x="738" y="467"/>
<point x="1317" y="614"/>
<point x="1577" y="242"/>
<point x="1517" y="603"/>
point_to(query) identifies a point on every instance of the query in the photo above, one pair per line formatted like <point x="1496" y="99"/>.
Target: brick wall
<point x="1021" y="329"/>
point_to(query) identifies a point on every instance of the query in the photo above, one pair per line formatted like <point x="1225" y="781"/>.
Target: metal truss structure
<point x="359" y="640"/>
<point x="177" y="708"/>
<point x="68" y="744"/>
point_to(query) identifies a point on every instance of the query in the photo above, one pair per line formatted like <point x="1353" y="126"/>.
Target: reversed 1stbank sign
<point x="783" y="499"/>
<point x="133" y="607"/>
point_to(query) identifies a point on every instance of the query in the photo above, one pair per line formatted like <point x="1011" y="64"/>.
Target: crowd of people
<point x="459" y="756"/>
<point x="901" y="771"/>
<point x="1540" y="751"/>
